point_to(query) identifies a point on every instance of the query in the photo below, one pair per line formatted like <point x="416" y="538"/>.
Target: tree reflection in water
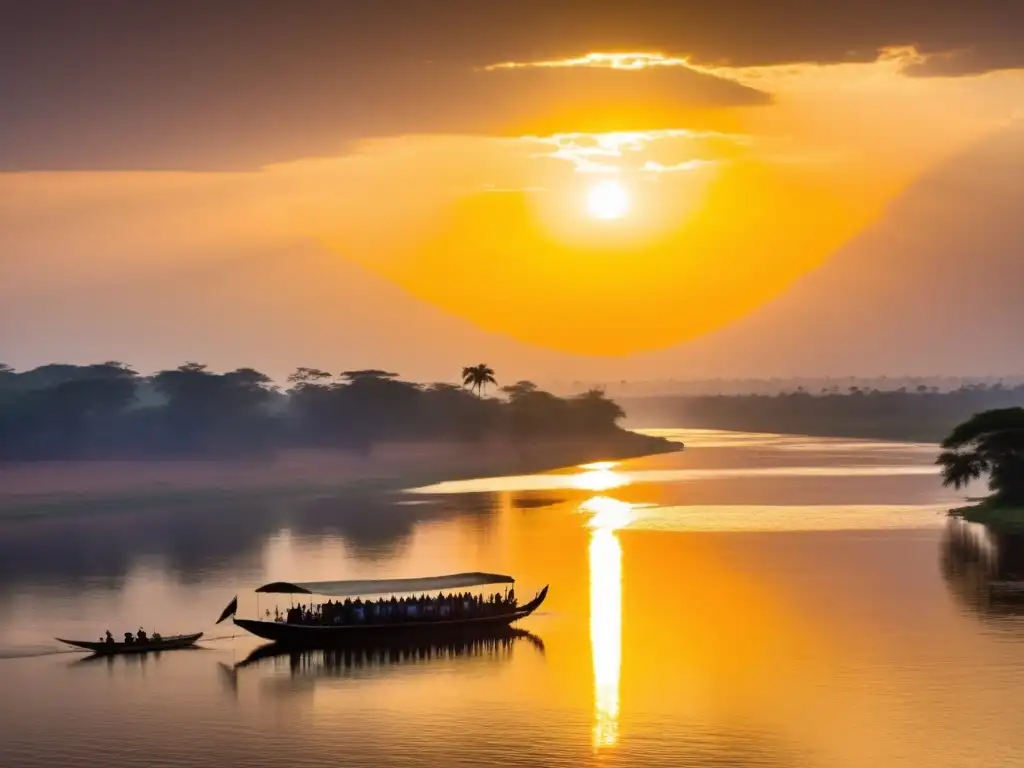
<point x="984" y="570"/>
<point x="195" y="541"/>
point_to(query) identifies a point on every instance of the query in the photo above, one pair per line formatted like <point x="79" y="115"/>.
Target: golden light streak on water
<point x="598" y="477"/>
<point x="606" y="613"/>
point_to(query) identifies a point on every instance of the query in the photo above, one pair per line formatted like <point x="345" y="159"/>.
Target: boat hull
<point x="325" y="636"/>
<point x="110" y="649"/>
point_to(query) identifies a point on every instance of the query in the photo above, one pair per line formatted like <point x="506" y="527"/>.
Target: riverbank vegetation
<point x="920" y="413"/>
<point x="989" y="444"/>
<point x="109" y="411"/>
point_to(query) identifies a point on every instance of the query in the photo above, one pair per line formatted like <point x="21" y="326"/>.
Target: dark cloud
<point x="157" y="122"/>
<point x="967" y="61"/>
<point x="238" y="83"/>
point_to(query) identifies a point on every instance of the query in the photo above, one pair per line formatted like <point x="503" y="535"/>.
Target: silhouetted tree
<point x="72" y="416"/>
<point x="594" y="412"/>
<point x="450" y="411"/>
<point x="7" y="380"/>
<point x="306" y="376"/>
<point x="477" y="377"/>
<point x="207" y="412"/>
<point x="309" y="409"/>
<point x="991" y="442"/>
<point x="519" y="389"/>
<point x="532" y="411"/>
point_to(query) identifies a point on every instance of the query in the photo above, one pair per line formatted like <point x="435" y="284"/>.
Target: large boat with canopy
<point x="434" y="605"/>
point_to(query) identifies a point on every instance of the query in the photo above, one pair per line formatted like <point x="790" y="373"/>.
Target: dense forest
<point x="921" y="413"/>
<point x="108" y="410"/>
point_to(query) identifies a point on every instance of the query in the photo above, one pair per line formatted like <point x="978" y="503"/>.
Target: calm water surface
<point x="754" y="601"/>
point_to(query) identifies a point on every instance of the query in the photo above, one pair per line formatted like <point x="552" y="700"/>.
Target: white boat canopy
<point x="385" y="586"/>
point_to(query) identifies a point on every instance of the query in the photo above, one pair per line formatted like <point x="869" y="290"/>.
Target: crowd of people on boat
<point x="130" y="639"/>
<point x="400" y="609"/>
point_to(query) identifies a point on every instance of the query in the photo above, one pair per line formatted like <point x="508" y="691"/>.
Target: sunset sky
<point x="617" y="188"/>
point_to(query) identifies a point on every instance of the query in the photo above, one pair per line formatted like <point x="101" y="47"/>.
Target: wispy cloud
<point x="635" y="61"/>
<point x="613" y="152"/>
<point x="629" y="61"/>
<point x="687" y="165"/>
<point x="590" y="152"/>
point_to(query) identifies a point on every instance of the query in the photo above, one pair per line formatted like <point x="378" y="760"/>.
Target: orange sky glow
<point x="726" y="206"/>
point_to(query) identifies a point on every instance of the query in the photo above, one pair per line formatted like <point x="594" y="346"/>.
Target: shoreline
<point x="77" y="488"/>
<point x="900" y="416"/>
<point x="996" y="517"/>
<point x="923" y="437"/>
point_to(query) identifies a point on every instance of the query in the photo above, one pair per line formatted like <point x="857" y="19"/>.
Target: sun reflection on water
<point x="608" y="515"/>
<point x="598" y="477"/>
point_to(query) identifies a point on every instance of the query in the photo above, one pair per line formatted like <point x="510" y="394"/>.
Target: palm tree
<point x="991" y="442"/>
<point x="477" y="377"/>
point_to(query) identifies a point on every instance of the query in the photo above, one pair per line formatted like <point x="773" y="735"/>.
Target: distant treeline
<point x="777" y="385"/>
<point x="110" y="411"/>
<point x="919" y="414"/>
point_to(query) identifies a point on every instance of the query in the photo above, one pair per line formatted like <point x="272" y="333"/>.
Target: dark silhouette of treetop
<point x="108" y="410"/>
<point x="478" y="377"/>
<point x="519" y="389"/>
<point x="369" y="373"/>
<point x="992" y="443"/>
<point x="304" y="376"/>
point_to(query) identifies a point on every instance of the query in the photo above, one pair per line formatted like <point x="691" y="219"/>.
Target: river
<point x="753" y="601"/>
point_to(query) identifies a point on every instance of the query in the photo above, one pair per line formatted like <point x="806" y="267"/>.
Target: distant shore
<point x="868" y="431"/>
<point x="922" y="417"/>
<point x="41" y="488"/>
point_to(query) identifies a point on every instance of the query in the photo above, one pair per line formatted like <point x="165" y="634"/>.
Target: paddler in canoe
<point x="130" y="639"/>
<point x="135" y="643"/>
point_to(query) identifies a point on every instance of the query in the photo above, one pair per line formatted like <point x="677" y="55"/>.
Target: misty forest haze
<point x="108" y="411"/>
<point x="920" y="413"/>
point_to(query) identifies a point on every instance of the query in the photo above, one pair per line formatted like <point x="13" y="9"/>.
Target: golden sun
<point x="607" y="200"/>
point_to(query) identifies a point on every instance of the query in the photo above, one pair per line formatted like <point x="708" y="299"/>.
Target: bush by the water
<point x="110" y="411"/>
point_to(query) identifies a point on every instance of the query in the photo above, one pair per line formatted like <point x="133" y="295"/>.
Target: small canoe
<point x="163" y="644"/>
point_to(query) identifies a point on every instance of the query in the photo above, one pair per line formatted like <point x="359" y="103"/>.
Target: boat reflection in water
<point x="349" y="659"/>
<point x="605" y="562"/>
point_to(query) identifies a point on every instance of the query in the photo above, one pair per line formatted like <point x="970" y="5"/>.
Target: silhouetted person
<point x="109" y="638"/>
<point x="142" y="635"/>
